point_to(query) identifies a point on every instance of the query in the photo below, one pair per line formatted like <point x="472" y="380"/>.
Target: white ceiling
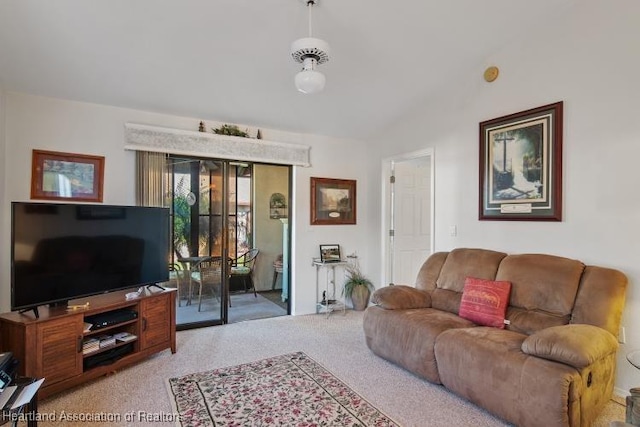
<point x="229" y="60"/>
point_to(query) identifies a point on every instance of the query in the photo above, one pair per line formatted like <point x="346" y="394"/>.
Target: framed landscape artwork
<point x="66" y="176"/>
<point x="333" y="201"/>
<point x="521" y="166"/>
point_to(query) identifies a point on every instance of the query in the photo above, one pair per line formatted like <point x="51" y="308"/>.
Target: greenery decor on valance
<point x="201" y="144"/>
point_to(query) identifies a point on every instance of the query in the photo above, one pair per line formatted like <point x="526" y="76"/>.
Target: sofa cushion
<point x="407" y="337"/>
<point x="601" y="298"/>
<point x="462" y="263"/>
<point x="446" y="300"/>
<point x="530" y="321"/>
<point x="543" y="285"/>
<point x="430" y="270"/>
<point x="401" y="297"/>
<point x="575" y="345"/>
<point x="484" y="302"/>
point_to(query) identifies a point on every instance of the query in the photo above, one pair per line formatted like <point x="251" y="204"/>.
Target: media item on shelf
<point x="104" y="320"/>
<point x="90" y="345"/>
<point x="107" y="341"/>
<point x="87" y="327"/>
<point x="93" y="344"/>
<point x="124" y="337"/>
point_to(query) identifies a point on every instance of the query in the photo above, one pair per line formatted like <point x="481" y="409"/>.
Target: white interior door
<point x="411" y="209"/>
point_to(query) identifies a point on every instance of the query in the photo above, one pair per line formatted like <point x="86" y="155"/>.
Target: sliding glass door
<point x="199" y="220"/>
<point x="220" y="211"/>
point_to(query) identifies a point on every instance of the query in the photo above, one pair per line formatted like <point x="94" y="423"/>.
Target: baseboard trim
<point x="622" y="394"/>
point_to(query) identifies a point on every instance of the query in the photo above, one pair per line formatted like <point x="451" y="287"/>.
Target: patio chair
<point x="242" y="269"/>
<point x="277" y="269"/>
<point x="208" y="276"/>
<point x="179" y="279"/>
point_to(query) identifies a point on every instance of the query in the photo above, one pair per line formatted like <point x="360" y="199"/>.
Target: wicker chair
<point x="242" y="269"/>
<point x="179" y="279"/>
<point x="277" y="269"/>
<point x="208" y="277"/>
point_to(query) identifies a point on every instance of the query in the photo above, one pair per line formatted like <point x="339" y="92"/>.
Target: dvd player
<point x="103" y="320"/>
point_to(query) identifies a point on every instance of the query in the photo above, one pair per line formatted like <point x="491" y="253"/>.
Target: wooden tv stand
<point x="51" y="346"/>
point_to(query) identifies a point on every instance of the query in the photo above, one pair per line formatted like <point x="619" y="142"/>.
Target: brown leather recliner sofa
<point x="552" y="365"/>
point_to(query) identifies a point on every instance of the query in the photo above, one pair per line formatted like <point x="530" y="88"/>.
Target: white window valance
<point x="201" y="144"/>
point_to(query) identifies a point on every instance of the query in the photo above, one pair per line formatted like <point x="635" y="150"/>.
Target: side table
<point x="329" y="301"/>
<point x="28" y="411"/>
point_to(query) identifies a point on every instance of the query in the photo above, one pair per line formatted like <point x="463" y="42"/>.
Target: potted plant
<point x="357" y="287"/>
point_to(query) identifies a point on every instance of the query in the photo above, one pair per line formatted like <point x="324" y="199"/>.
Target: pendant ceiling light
<point x="310" y="52"/>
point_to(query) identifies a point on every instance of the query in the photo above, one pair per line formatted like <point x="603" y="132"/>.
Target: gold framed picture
<point x="66" y="176"/>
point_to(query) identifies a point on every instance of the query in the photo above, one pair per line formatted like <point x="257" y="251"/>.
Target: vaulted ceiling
<point x="229" y="60"/>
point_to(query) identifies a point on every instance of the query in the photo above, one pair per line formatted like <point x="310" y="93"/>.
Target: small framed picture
<point x="330" y="253"/>
<point x="66" y="176"/>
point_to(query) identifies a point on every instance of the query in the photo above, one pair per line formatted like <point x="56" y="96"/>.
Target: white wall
<point x="339" y="160"/>
<point x="76" y="127"/>
<point x="267" y="179"/>
<point x="591" y="63"/>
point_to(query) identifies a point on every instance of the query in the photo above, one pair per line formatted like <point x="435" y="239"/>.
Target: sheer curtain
<point x="152" y="180"/>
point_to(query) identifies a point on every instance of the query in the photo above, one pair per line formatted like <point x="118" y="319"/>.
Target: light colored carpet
<point x="336" y="342"/>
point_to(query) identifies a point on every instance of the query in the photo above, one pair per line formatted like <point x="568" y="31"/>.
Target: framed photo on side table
<point x="333" y="201"/>
<point x="66" y="176"/>
<point x="521" y="166"/>
<point x="330" y="253"/>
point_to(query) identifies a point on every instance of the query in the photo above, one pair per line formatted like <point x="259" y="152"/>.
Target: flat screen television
<point x="64" y="251"/>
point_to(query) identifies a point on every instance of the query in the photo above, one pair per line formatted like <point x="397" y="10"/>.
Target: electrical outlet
<point x="453" y="230"/>
<point x="622" y="336"/>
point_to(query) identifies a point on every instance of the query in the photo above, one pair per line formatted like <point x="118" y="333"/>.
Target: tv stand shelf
<point x="105" y="349"/>
<point x="101" y="331"/>
<point x="51" y="346"/>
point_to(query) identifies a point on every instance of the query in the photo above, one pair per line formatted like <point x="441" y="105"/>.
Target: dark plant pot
<point x="360" y="298"/>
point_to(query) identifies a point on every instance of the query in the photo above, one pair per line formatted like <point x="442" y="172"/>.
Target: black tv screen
<point x="65" y="251"/>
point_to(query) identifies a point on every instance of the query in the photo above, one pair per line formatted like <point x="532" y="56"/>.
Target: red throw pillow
<point x="485" y="302"/>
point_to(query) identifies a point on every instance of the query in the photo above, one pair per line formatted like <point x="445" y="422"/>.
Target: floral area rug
<point x="287" y="390"/>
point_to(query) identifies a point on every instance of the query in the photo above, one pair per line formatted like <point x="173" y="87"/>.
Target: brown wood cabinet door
<point x="59" y="354"/>
<point x="156" y="318"/>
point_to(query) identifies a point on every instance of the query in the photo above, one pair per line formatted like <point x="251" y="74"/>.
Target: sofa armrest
<point x="400" y="297"/>
<point x="577" y="345"/>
